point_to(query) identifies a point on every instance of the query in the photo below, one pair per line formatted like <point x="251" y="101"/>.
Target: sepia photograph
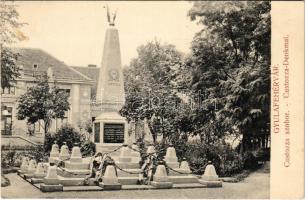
<point x="138" y="99"/>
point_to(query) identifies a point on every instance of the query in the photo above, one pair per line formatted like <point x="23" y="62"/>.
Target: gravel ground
<point x="255" y="186"/>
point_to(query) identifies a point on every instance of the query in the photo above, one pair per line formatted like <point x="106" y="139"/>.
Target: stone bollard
<point x="125" y="155"/>
<point x="24" y="165"/>
<point x="160" y="178"/>
<point x="210" y="177"/>
<point x="54" y="154"/>
<point x="182" y="174"/>
<point x="110" y="179"/>
<point x="51" y="182"/>
<point x="64" y="152"/>
<point x="40" y="172"/>
<point x="51" y="177"/>
<point x="76" y="156"/>
<point x="32" y="167"/>
<point x="171" y="157"/>
<point x="184" y="167"/>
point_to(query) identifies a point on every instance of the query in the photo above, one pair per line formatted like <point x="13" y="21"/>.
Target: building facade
<point x="34" y="62"/>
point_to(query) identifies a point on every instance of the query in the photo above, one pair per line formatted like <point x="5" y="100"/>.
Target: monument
<point x="110" y="128"/>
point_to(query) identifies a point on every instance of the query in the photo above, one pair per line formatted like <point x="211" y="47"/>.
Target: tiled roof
<point x="91" y="72"/>
<point x="29" y="56"/>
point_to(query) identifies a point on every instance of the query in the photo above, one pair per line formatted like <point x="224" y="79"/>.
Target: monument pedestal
<point x="110" y="131"/>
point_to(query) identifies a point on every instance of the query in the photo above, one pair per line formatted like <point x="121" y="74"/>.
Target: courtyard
<point x="256" y="185"/>
<point x="142" y="125"/>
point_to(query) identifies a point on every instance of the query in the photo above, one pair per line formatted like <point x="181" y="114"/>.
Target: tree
<point x="231" y="63"/>
<point x="151" y="94"/>
<point x="9" y="69"/>
<point x="43" y="102"/>
<point x="9" y="33"/>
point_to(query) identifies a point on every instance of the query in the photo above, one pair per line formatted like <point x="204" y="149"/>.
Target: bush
<point x="65" y="134"/>
<point x="71" y="136"/>
<point x="250" y="161"/>
<point x="7" y="158"/>
<point x="262" y="154"/>
<point x="13" y="156"/>
<point x="226" y="160"/>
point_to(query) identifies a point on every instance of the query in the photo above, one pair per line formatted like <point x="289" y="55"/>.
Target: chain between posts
<point x="145" y="155"/>
<point x="127" y="171"/>
<point x="114" y="150"/>
<point x="176" y="170"/>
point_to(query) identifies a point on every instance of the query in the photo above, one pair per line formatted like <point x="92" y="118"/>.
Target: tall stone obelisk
<point x="110" y="88"/>
<point x="110" y="129"/>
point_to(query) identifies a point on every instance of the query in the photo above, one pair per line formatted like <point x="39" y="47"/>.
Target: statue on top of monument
<point x="111" y="17"/>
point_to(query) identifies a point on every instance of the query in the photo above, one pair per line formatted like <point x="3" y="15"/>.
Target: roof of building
<point x="28" y="57"/>
<point x="91" y="72"/>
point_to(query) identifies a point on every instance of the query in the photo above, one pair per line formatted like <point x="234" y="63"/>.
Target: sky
<point x="74" y="32"/>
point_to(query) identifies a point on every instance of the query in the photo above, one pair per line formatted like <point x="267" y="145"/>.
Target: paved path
<point x="255" y="186"/>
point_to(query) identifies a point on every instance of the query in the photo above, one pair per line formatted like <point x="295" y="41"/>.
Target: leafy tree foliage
<point x="9" y="69"/>
<point x="231" y="63"/>
<point x="9" y="33"/>
<point x="150" y="83"/>
<point x="43" y="102"/>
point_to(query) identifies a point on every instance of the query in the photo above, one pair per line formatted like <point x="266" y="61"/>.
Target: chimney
<point x="90" y="65"/>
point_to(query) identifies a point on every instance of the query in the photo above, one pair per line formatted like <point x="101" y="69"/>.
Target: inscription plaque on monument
<point x="113" y="133"/>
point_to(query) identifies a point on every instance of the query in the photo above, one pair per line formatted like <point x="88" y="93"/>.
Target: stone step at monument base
<point x="36" y="180"/>
<point x="20" y="172"/>
<point x="182" y="172"/>
<point x="77" y="166"/>
<point x="133" y="173"/>
<point x="183" y="179"/>
<point x="210" y="184"/>
<point x="135" y="159"/>
<point x="115" y="186"/>
<point x="106" y="149"/>
<point x="128" y="180"/>
<point x="162" y="185"/>
<point x="75" y="181"/>
<point x="21" y="175"/>
<point x="28" y="176"/>
<point x="68" y="173"/>
<point x="82" y="188"/>
<point x="129" y="165"/>
<point x="123" y="187"/>
<point x="50" y="188"/>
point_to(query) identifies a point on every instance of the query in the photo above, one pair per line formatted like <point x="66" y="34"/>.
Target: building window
<point x="8" y="90"/>
<point x="6" y="120"/>
<point x="65" y="90"/>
